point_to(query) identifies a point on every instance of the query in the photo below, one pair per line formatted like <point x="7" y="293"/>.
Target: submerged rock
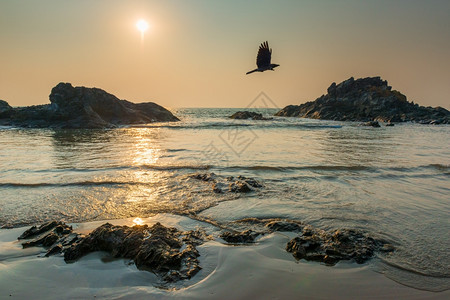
<point x="363" y="100"/>
<point x="245" y="115"/>
<point x="262" y="226"/>
<point x="82" y="107"/>
<point x="239" y="184"/>
<point x="270" y="225"/>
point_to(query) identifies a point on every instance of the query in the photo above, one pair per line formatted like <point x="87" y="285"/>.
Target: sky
<point x="196" y="52"/>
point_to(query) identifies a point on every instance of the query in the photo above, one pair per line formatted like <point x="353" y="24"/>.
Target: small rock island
<point x="82" y="107"/>
<point x="365" y="100"/>
<point x="248" y="115"/>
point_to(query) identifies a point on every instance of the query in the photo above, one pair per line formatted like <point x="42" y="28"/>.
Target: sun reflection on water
<point x="146" y="151"/>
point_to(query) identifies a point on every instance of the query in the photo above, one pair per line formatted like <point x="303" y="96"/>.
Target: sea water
<point x="391" y="182"/>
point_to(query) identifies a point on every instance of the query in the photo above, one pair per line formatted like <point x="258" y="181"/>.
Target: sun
<point x="142" y="25"/>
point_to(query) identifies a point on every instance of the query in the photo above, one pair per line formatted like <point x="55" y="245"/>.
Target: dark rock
<point x="196" y="237"/>
<point x="363" y="100"/>
<point x="46" y="240"/>
<point x="204" y="176"/>
<point x="56" y="249"/>
<point x="64" y="241"/>
<point x="156" y="248"/>
<point x="311" y="243"/>
<point x="288" y="226"/>
<point x="372" y="124"/>
<point x="217" y="188"/>
<point x="318" y="245"/>
<point x="244" y="237"/>
<point x="390" y="124"/>
<point x="69" y="239"/>
<point x="56" y="236"/>
<point x="231" y="184"/>
<point x="249" y="181"/>
<point x="330" y="260"/>
<point x="5" y="109"/>
<point x="34" y="231"/>
<point x="264" y="226"/>
<point x="81" y="107"/>
<point x="244" y="115"/>
<point x="239" y="187"/>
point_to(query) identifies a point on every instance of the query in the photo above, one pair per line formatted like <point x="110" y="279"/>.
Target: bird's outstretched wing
<point x="264" y="56"/>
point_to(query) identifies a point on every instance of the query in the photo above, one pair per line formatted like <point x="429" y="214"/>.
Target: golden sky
<point x="196" y="52"/>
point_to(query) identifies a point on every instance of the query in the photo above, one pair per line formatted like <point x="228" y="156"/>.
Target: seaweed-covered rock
<point x="363" y="100"/>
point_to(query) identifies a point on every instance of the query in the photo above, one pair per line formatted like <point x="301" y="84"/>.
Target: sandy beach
<point x="260" y="271"/>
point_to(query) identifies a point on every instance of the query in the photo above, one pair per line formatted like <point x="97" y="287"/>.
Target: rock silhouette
<point x="364" y="100"/>
<point x="82" y="107"/>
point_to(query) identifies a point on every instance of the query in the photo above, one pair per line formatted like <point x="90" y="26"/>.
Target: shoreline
<point x="262" y="270"/>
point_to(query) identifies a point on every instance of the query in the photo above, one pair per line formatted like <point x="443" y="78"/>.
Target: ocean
<point x="391" y="182"/>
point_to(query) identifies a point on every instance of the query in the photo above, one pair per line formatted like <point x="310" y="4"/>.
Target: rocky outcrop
<point x="312" y="243"/>
<point x="156" y="248"/>
<point x="329" y="248"/>
<point x="219" y="184"/>
<point x="364" y="100"/>
<point x="245" y="115"/>
<point x="172" y="254"/>
<point x="167" y="252"/>
<point x="81" y="107"/>
<point x="55" y="236"/>
<point x="5" y="109"/>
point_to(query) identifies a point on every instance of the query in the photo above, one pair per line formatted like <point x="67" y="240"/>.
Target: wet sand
<point x="261" y="271"/>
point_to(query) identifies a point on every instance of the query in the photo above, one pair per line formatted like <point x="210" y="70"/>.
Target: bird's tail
<point x="249" y="72"/>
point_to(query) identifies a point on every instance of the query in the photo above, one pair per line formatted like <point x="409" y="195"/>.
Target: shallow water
<point x="392" y="182"/>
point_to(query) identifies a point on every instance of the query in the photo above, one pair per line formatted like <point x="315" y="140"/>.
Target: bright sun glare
<point x="138" y="221"/>
<point x="142" y="25"/>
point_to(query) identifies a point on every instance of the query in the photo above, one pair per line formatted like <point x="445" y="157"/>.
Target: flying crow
<point x="263" y="59"/>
